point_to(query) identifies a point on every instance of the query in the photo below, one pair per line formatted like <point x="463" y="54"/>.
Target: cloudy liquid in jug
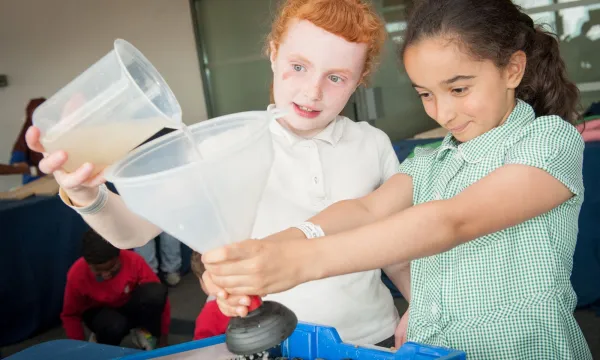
<point x="103" y="144"/>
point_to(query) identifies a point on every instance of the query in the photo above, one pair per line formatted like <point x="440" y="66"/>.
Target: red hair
<point x="354" y="20"/>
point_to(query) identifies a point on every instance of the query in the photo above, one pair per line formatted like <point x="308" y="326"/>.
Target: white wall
<point x="46" y="43"/>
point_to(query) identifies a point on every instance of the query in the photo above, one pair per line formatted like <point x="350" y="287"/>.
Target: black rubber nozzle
<point x="261" y="329"/>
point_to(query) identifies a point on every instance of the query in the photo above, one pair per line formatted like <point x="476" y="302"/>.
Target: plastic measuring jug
<point x="108" y="110"/>
<point x="207" y="202"/>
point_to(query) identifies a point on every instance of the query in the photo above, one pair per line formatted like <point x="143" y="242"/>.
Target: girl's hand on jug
<point x="80" y="185"/>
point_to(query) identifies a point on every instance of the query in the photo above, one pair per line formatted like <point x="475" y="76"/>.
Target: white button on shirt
<point x="346" y="160"/>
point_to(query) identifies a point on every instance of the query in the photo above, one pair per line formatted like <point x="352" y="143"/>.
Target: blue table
<point x="72" y="349"/>
<point x="307" y="342"/>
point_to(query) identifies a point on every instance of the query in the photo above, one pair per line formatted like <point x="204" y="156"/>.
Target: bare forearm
<point x="507" y="197"/>
<point x="121" y="227"/>
<point x="393" y="196"/>
<point x="417" y="232"/>
<point x="342" y="216"/>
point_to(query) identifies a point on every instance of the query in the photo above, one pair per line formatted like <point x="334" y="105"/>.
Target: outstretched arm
<point x="508" y="196"/>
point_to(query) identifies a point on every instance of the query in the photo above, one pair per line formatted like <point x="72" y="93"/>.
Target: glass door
<point x="237" y="75"/>
<point x="396" y="109"/>
<point x="230" y="36"/>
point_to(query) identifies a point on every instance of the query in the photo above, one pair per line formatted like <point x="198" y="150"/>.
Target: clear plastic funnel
<point x="204" y="203"/>
<point x="108" y="110"/>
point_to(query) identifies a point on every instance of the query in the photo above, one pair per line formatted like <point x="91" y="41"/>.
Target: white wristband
<point x="94" y="207"/>
<point x="310" y="230"/>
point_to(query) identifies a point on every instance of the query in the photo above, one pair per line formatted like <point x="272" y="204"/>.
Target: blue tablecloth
<point x="41" y="239"/>
<point x="586" y="261"/>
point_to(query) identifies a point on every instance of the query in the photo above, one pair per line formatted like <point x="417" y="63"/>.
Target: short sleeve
<point x="553" y="145"/>
<point x="407" y="166"/>
<point x="422" y="154"/>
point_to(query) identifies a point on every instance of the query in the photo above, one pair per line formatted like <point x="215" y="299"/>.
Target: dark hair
<point x="96" y="250"/>
<point x="494" y="30"/>
<point x="197" y="265"/>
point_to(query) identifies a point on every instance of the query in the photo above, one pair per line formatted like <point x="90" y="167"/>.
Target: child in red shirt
<point x="112" y="292"/>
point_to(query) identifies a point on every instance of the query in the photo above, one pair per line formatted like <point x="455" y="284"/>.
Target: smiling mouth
<point x="306" y="108"/>
<point x="459" y="128"/>
<point x="306" y="112"/>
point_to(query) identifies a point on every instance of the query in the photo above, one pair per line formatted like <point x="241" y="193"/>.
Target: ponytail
<point x="545" y="85"/>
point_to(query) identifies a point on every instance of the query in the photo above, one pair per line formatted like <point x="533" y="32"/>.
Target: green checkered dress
<point x="506" y="295"/>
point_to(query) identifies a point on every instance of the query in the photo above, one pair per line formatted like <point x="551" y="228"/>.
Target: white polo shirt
<point x="345" y="161"/>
